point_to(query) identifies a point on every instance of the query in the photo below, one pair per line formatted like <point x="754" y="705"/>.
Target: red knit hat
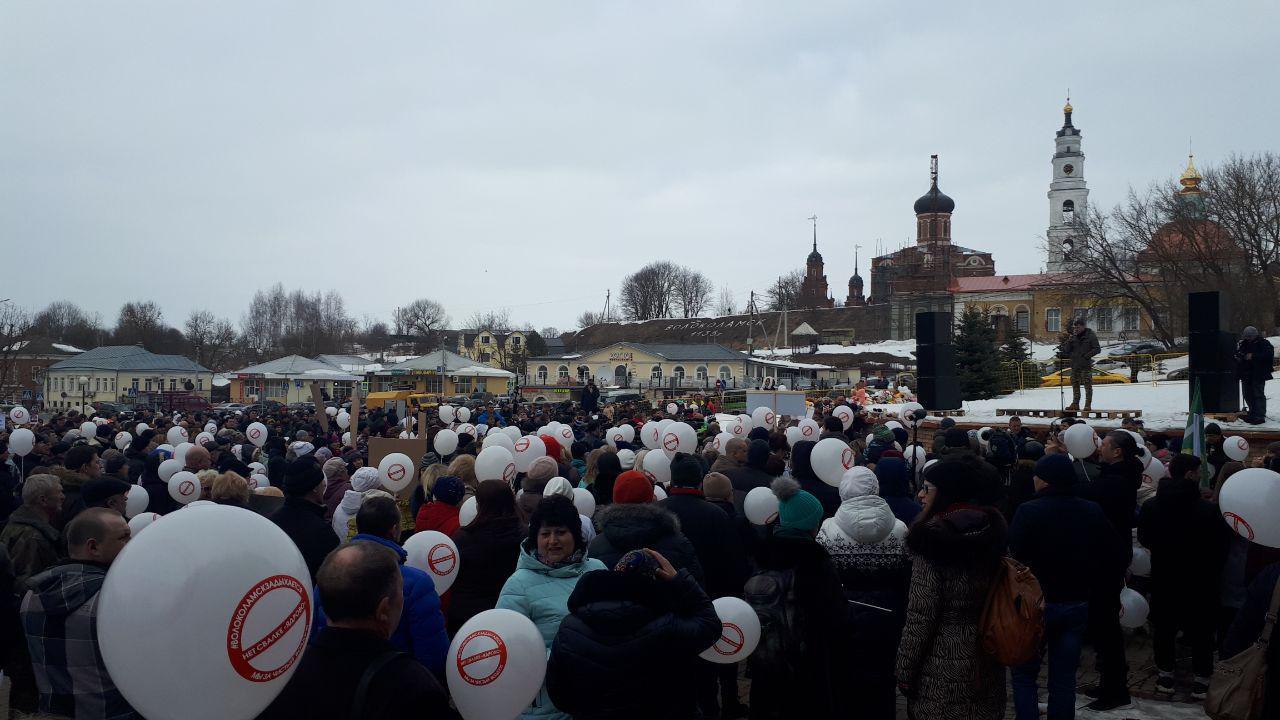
<point x="632" y="487"/>
<point x="553" y="446"/>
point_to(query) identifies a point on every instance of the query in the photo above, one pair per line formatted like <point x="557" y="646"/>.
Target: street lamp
<point x="84" y="387"/>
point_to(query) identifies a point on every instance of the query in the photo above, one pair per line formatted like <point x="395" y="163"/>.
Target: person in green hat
<point x="797" y="593"/>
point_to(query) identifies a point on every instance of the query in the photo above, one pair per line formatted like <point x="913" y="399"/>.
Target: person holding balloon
<point x="1188" y="541"/>
<point x="552" y="560"/>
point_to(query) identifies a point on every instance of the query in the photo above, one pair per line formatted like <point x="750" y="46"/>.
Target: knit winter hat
<point x="365" y="479"/>
<point x="1056" y="470"/>
<point x="302" y="449"/>
<point x="858" y="481"/>
<point x="882" y="434"/>
<point x="627" y="459"/>
<point x="448" y="490"/>
<point x="717" y="486"/>
<point x="797" y="509"/>
<point x="901" y="436"/>
<point x="686" y="471"/>
<point x="96" y="491"/>
<point x="957" y="438"/>
<point x="302" y="476"/>
<point x="558" y="486"/>
<point x="542" y="469"/>
<point x="632" y="487"/>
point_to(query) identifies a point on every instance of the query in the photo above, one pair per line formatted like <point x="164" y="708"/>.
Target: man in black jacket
<point x="750" y="475"/>
<point x="590" y="397"/>
<point x="1079" y="349"/>
<point x="302" y="515"/>
<point x="1060" y="536"/>
<point x="1254" y="360"/>
<point x="361" y="591"/>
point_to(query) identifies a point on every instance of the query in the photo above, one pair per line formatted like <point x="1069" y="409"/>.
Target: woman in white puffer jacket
<point x="866" y="543"/>
<point x="363" y="482"/>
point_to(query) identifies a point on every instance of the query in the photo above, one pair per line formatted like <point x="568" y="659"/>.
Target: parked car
<point x="230" y="407"/>
<point x="1138" y="347"/>
<point x="1100" y="377"/>
<point x="482" y="397"/>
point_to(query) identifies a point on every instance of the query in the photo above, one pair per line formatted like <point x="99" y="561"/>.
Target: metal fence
<point x="1108" y="370"/>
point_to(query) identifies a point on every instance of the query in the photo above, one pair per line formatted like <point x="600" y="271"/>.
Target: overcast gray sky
<point x="529" y="154"/>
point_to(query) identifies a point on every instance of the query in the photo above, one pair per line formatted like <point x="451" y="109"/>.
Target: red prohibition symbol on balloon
<point x="522" y="444"/>
<point x="186" y="487"/>
<point x="1238" y="524"/>
<point x="846" y="458"/>
<point x="731" y="639"/>
<point x="441" y="559"/>
<point x="254" y="433"/>
<point x="483" y="645"/>
<point x="806" y="431"/>
<point x="241" y="653"/>
<point x="671" y="441"/>
<point x="509" y="472"/>
<point x="396" y="472"/>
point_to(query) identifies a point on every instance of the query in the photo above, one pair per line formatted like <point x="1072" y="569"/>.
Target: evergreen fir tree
<point x="1014" y="353"/>
<point x="977" y="364"/>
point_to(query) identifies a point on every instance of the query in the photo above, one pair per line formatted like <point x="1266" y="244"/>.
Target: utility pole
<point x="751" y="309"/>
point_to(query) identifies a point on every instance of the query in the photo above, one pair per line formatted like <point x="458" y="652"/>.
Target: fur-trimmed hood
<point x="634" y="525"/>
<point x="968" y="535"/>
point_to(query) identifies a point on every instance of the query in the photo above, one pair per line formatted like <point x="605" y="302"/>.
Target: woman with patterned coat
<point x="956" y="546"/>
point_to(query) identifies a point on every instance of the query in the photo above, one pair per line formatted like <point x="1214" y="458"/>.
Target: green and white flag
<point x="1193" y="436"/>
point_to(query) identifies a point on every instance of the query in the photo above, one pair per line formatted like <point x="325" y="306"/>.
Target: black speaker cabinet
<point x="1211" y="347"/>
<point x="936" y="362"/>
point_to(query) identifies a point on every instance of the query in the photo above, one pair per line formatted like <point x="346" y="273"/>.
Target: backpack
<point x="1004" y="450"/>
<point x="772" y="594"/>
<point x="1238" y="688"/>
<point x="1012" y="624"/>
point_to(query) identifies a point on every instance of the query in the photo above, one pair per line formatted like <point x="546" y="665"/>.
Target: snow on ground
<point x="1164" y="406"/>
<point x="898" y="348"/>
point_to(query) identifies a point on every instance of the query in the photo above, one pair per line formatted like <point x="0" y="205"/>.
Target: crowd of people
<point x="866" y="590"/>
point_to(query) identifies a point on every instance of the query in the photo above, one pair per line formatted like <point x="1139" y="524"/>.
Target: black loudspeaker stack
<point x="1212" y="349"/>
<point x="936" y="362"/>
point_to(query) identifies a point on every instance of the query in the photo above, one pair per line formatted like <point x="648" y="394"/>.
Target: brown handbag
<point x="1012" y="625"/>
<point x="1238" y="687"/>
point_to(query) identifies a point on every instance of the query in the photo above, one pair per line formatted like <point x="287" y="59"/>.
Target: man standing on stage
<point x="1254" y="359"/>
<point x="1080" y="349"/>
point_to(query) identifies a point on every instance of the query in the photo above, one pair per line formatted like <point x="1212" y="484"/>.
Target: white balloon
<point x="659" y="494"/>
<point x="467" y="429"/>
<point x="21" y="442"/>
<point x="135" y="501"/>
<point x="258" y="468"/>
<point x="794" y="435"/>
<point x="343" y="419"/>
<point x="1143" y="454"/>
<point x="528" y="449"/>
<point x="809" y="429"/>
<point x="239" y="590"/>
<point x="435" y="554"/>
<point x="467" y="511"/>
<point x="651" y="435"/>
<point x="184" y="486"/>
<point x="720" y="443"/>
<point x="176" y="435"/>
<point x="141" y="428"/>
<point x="496" y="665"/>
<point x="168" y="468"/>
<point x="1140" y="565"/>
<point x="331" y="411"/>
<point x="512" y="432"/>
<point x="1250" y="503"/>
<point x="737" y="427"/>
<point x="760" y="505"/>
<point x="584" y="501"/>
<point x="257" y="433"/>
<point x="140" y="521"/>
<point x="763" y="417"/>
<point x="210" y="428"/>
<point x="88" y="429"/>
<point x="628" y="433"/>
<point x="447" y="413"/>
<point x="680" y="437"/>
<point x="167" y="449"/>
<point x="1236" y="447"/>
<point x="845" y="414"/>
<point x="905" y="412"/>
<point x="1081" y="440"/>
<point x="203" y="438"/>
<point x="258" y="480"/>
<point x="893" y="424"/>
<point x="739" y="631"/>
<point x="920" y="456"/>
<point x="19" y="415"/>
<point x="180" y="452"/>
<point x="613" y="437"/>
<point x="496" y="462"/>
<point x="499" y="439"/>
<point x="463" y="414"/>
<point x="672" y="408"/>
<point x="565" y="436"/>
<point x="1154" y="471"/>
<point x="657" y="467"/>
<point x="446" y="442"/>
<point x="830" y="458"/>
<point x="346" y="439"/>
<point x="396" y="472"/>
<point x="1133" y="608"/>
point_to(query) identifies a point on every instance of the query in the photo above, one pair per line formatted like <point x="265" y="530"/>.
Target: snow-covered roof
<point x="897" y="348"/>
<point x="791" y="365"/>
<point x="296" y="366"/>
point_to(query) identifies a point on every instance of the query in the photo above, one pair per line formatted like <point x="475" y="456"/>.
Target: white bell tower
<point x="1068" y="194"/>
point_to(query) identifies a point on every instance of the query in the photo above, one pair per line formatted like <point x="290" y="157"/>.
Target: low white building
<point x="123" y="374"/>
<point x="288" y="380"/>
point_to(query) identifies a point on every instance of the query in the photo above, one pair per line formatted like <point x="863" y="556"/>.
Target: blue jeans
<point x="1064" y="626"/>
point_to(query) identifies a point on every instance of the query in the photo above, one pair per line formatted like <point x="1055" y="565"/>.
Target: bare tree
<point x="549" y="332"/>
<point x="1243" y="197"/>
<point x="650" y="292"/>
<point x="141" y="323"/>
<point x="211" y="341"/>
<point x="262" y="325"/>
<point x="784" y="293"/>
<point x="725" y="303"/>
<point x="375" y="336"/>
<point x="693" y="292"/>
<point x="66" y="322"/>
<point x="15" y="333"/>
<point x="495" y="321"/>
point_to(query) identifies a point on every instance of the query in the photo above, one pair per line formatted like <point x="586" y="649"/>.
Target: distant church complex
<point x="933" y="274"/>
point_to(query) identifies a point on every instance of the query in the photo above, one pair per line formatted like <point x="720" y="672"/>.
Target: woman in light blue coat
<point x="552" y="559"/>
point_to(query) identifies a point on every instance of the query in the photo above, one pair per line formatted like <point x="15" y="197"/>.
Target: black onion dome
<point x="934" y="201"/>
<point x="815" y="256"/>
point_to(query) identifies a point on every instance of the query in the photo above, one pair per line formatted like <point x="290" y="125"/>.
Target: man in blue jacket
<point x="421" y="631"/>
